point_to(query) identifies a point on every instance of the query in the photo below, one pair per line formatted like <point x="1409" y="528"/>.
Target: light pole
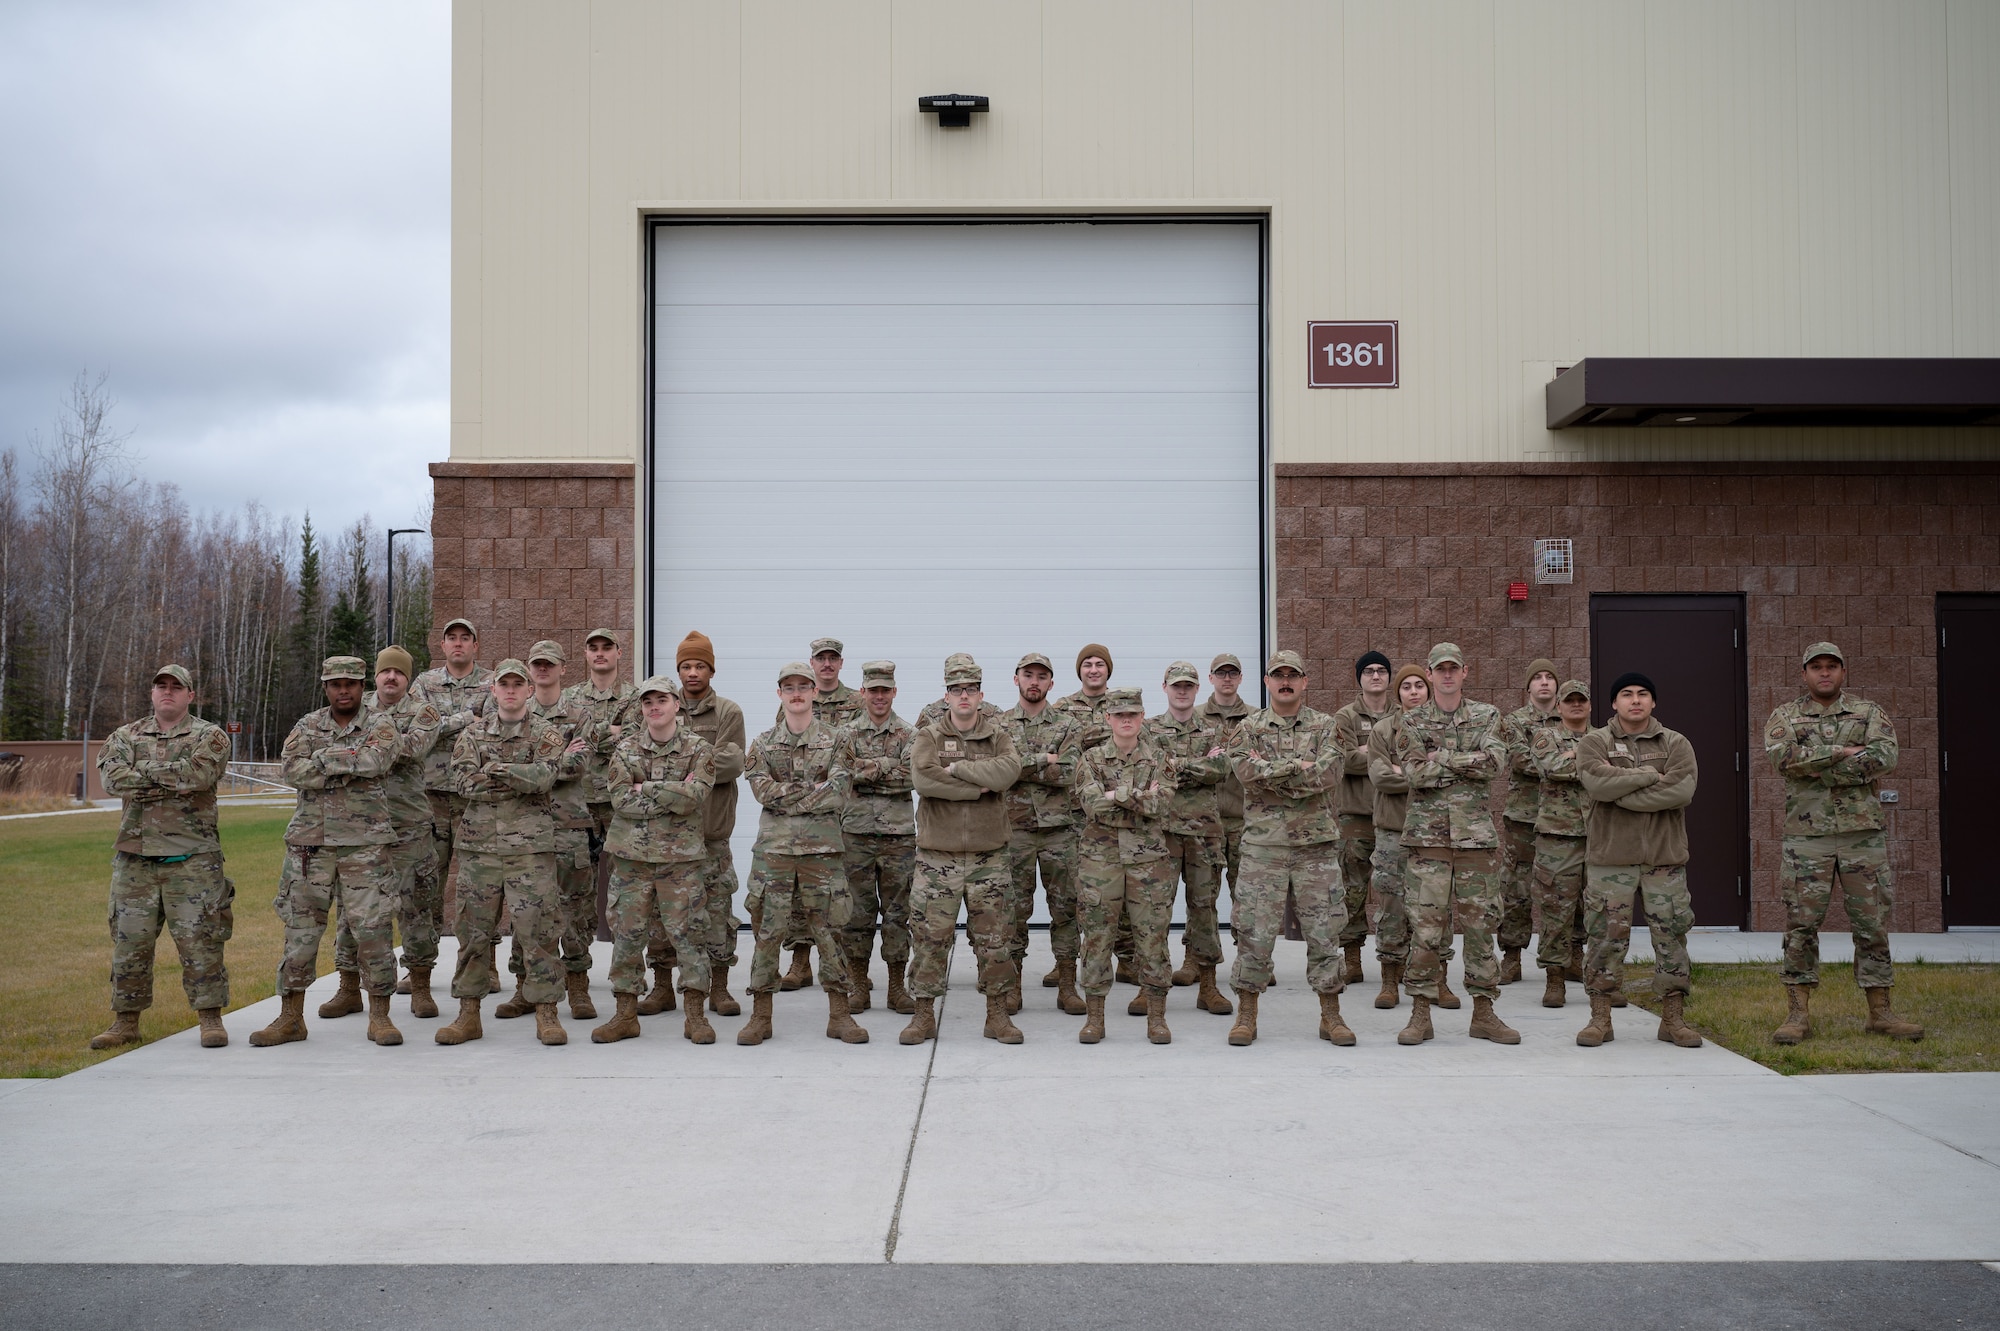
<point x="389" y="582"/>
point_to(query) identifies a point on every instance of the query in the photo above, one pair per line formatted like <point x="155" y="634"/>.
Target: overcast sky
<point x="241" y="212"/>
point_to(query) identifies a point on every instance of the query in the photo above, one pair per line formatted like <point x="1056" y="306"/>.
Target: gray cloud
<point x="241" y="211"/>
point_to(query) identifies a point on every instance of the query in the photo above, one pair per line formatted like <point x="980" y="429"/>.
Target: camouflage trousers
<point x="1860" y="861"/>
<point x="445" y="809"/>
<point x="1311" y="874"/>
<point x="526" y="886"/>
<point x="1392" y="917"/>
<point x="719" y="925"/>
<point x="194" y="902"/>
<point x="1139" y="897"/>
<point x="798" y="896"/>
<point x="1607" y="923"/>
<point x="1232" y="849"/>
<point x="1436" y="881"/>
<point x="576" y="904"/>
<point x="645" y="897"/>
<point x="419" y="903"/>
<point x="1357" y="850"/>
<point x="879" y="869"/>
<point x="1053" y="851"/>
<point x="979" y="880"/>
<point x="363" y="882"/>
<point x="1197" y="862"/>
<point x="1517" y="910"/>
<point x="1559" y="899"/>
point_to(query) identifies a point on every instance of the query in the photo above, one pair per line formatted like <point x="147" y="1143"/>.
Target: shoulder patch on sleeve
<point x="218" y="742"/>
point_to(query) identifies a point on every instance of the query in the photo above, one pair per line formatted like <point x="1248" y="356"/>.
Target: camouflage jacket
<point x="1088" y="713"/>
<point x="1197" y="778"/>
<point x="339" y="772"/>
<point x="1825" y="792"/>
<point x="505" y="770"/>
<point x="1524" y="779"/>
<point x="1288" y="766"/>
<point x="1351" y="727"/>
<point x="417" y="724"/>
<point x="1564" y="809"/>
<point x="457" y="701"/>
<point x="1392" y="787"/>
<point x="832" y="709"/>
<point x="1124" y="819"/>
<point x="720" y="722"/>
<point x="569" y="798"/>
<point x="934" y="712"/>
<point x="607" y="708"/>
<point x="167" y="780"/>
<point x="877" y="762"/>
<point x="1042" y="798"/>
<point x="1226" y="719"/>
<point x="802" y="786"/>
<point x="658" y="793"/>
<point x="1450" y="799"/>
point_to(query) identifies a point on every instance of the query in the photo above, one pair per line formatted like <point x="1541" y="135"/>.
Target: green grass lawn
<point x="55" y="948"/>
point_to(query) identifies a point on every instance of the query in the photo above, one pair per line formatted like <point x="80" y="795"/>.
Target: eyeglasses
<point x="960" y="690"/>
<point x="797" y="688"/>
<point x="1383" y="671"/>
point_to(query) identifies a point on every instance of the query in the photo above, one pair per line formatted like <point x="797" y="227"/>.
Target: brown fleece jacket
<point x="1641" y="785"/>
<point x="962" y="812"/>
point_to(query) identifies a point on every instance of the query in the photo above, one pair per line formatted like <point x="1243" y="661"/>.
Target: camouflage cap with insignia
<point x="343" y="667"/>
<point x="666" y="684"/>
<point x="1225" y="659"/>
<point x="178" y="673"/>
<point x="1573" y="688"/>
<point x="795" y="670"/>
<point x="827" y="645"/>
<point x="1182" y="672"/>
<point x="1446" y="651"/>
<point x="1285" y="660"/>
<point x="511" y="666"/>
<point x="960" y="668"/>
<point x="878" y="674"/>
<point x="605" y="634"/>
<point x="1034" y="659"/>
<point x="1124" y="700"/>
<point x="547" y="650"/>
<point x="465" y="624"/>
<point x="1821" y="649"/>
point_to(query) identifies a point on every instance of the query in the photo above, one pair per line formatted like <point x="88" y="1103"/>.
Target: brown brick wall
<point x="1397" y="557"/>
<point x="532" y="550"/>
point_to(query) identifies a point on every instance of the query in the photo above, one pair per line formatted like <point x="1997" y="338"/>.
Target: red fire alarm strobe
<point x="1517" y="591"/>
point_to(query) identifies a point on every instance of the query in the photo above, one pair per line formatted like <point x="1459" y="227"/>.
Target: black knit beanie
<point x="1369" y="659"/>
<point x="1631" y="677"/>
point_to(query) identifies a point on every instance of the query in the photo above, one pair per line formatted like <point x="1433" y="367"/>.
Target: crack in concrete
<point x="916" y="1125"/>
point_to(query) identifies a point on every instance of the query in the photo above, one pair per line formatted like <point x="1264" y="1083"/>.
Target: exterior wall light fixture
<point x="1555" y="560"/>
<point x="954" y="109"/>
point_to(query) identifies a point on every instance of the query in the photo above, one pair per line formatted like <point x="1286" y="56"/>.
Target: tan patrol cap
<point x="1821" y="649"/>
<point x="1573" y="688"/>
<point x="394" y="658"/>
<point x="605" y="634"/>
<point x="1285" y="660"/>
<point x="547" y="650"/>
<point x="960" y="668"/>
<point x="510" y="666"/>
<point x="1034" y="658"/>
<point x="465" y="624"/>
<point x="343" y="667"/>
<point x="1446" y="651"/>
<point x="827" y="645"/>
<point x="795" y="670"/>
<point x="1124" y="700"/>
<point x="1225" y="659"/>
<point x="178" y="673"/>
<point x="878" y="674"/>
<point x="1182" y="672"/>
<point x="660" y="684"/>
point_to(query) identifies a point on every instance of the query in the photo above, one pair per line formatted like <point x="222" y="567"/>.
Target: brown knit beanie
<point x="1536" y="667"/>
<point x="1411" y="671"/>
<point x="1094" y="649"/>
<point x="395" y="658"/>
<point x="696" y="647"/>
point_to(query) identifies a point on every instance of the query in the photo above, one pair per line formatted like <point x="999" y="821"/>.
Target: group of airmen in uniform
<point x="537" y="791"/>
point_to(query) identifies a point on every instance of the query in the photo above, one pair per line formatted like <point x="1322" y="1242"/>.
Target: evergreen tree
<point x="350" y="626"/>
<point x="308" y="628"/>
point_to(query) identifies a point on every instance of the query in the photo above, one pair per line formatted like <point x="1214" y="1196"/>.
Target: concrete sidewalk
<point x="807" y="1150"/>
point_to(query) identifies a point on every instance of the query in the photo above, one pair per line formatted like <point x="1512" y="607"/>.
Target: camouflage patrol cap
<point x="1182" y="672"/>
<point x="1285" y="660"/>
<point x="1225" y="659"/>
<point x="960" y="668"/>
<point x="1123" y="700"/>
<point x="795" y="670"/>
<point x="465" y="624"/>
<point x="343" y="667"/>
<point x="660" y="684"/>
<point x="511" y="666"/>
<point x="878" y="674"/>
<point x="1446" y="651"/>
<point x="605" y="634"/>
<point x="177" y="673"/>
<point x="1573" y="688"/>
<point x="827" y="645"/>
<point x="546" y="650"/>
<point x="1035" y="659"/>
<point x="1821" y="649"/>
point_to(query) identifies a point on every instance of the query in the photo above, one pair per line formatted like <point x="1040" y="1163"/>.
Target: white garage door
<point x="929" y="438"/>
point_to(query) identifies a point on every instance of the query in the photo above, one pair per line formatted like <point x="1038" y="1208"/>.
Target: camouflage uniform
<point x="1291" y="843"/>
<point x="1126" y="871"/>
<point x="576" y="879"/>
<point x="339" y="846"/>
<point x="796" y="874"/>
<point x="419" y="892"/>
<point x="1449" y="836"/>
<point x="1352" y="725"/>
<point x="1637" y="845"/>
<point x="832" y="708"/>
<point x="1193" y="824"/>
<point x="720" y="722"/>
<point x="166" y="866"/>
<point x="1833" y="830"/>
<point x="934" y="712"/>
<point x="1230" y="795"/>
<point x="1390" y="862"/>
<point x="503" y="771"/>
<point x="879" y="830"/>
<point x="458" y="703"/>
<point x="1524" y="794"/>
<point x="962" y="855"/>
<point x="1042" y="818"/>
<point x="659" y="791"/>
<point x="615" y="706"/>
<point x="1562" y="822"/>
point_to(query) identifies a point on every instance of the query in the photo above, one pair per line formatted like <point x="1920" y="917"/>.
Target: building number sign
<point x="1348" y="354"/>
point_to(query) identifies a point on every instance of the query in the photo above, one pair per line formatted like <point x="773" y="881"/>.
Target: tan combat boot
<point x="1067" y="998"/>
<point x="1049" y="980"/>
<point x="517" y="1005"/>
<point x="1882" y="1021"/>
<point x="624" y="1023"/>
<point x="1352" y="954"/>
<point x="288" y="1025"/>
<point x="1510" y="965"/>
<point x="345" y="999"/>
<point x="720" y="1001"/>
<point x="493" y="968"/>
<point x="213" y="1036"/>
<point x="549" y="1027"/>
<point x="859" y="986"/>
<point x="998" y="1026"/>
<point x="758" y="1028"/>
<point x="1573" y="972"/>
<point x="1419" y="1029"/>
<point x="1245" y="1030"/>
<point x="578" y="985"/>
<point x="1189" y="972"/>
<point x="694" y="1026"/>
<point x="660" y="998"/>
<point x="1554" y="993"/>
<point x="403" y="983"/>
<point x="1673" y="1026"/>
<point x="1797" y="1024"/>
<point x="1093" y="1020"/>
<point x="1156" y="1017"/>
<point x="123" y="1030"/>
<point x="380" y="1029"/>
<point x="1331" y="1027"/>
<point x="923" y="1022"/>
<point x="1486" y="1024"/>
<point x="840" y="1023"/>
<point x="1125" y="974"/>
<point x="1392" y="985"/>
<point x="1137" y="1007"/>
<point x="422" y="1004"/>
<point x="1617" y="996"/>
<point x="898" y="998"/>
<point x="466" y="1027"/>
<point x="1446" y="998"/>
<point x="1209" y="998"/>
<point x="1014" y="994"/>
<point x="1599" y="1030"/>
<point x="801" y="973"/>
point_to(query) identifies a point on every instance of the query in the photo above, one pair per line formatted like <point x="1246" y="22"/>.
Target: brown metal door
<point x="1968" y="727"/>
<point x="1692" y="647"/>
